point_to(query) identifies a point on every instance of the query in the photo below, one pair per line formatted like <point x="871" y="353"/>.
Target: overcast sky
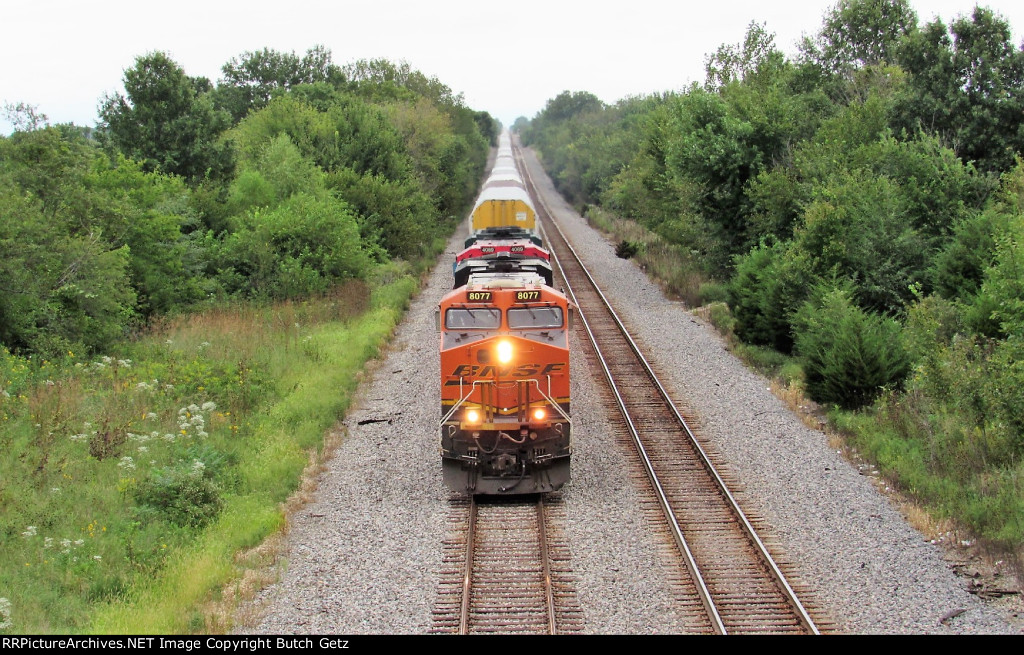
<point x="509" y="59"/>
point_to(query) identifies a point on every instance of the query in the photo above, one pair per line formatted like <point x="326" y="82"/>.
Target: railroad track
<point x="506" y="570"/>
<point x="740" y="586"/>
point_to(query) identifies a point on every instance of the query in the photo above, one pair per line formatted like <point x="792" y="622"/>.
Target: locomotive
<point x="505" y="419"/>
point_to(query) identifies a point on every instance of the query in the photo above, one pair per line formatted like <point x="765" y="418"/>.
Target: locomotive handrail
<point x="551" y="401"/>
<point x="463" y="399"/>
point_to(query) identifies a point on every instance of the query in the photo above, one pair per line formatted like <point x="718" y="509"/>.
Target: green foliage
<point x="381" y="79"/>
<point x="963" y="87"/>
<point x="395" y="216"/>
<point x="1004" y="280"/>
<point x="167" y="122"/>
<point x="957" y="270"/>
<point x="253" y="78"/>
<point x="63" y="287"/>
<point x="149" y="214"/>
<point x="871" y="161"/>
<point x="743" y="61"/>
<point x="858" y="229"/>
<point x="303" y="246"/>
<point x="769" y="285"/>
<point x="216" y="414"/>
<point x="858" y="34"/>
<point x="719" y="315"/>
<point x="714" y="292"/>
<point x="183" y="494"/>
<point x="627" y="249"/>
<point x="714" y="147"/>
<point x="850" y="355"/>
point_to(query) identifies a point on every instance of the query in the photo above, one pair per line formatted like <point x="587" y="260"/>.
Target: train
<point x="505" y="393"/>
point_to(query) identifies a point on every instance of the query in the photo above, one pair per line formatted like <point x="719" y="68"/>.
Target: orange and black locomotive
<point x="505" y="387"/>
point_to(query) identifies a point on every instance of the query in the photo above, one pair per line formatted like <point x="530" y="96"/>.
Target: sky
<point x="509" y="59"/>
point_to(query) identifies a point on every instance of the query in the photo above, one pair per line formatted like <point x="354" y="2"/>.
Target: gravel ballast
<point x="364" y="555"/>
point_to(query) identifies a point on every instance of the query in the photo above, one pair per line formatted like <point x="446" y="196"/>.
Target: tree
<point x="858" y="34"/>
<point x="302" y="246"/>
<point x="966" y="89"/>
<point x="382" y="79"/>
<point x="251" y="79"/>
<point x="62" y="282"/>
<point x="165" y="123"/>
<point x="850" y="356"/>
<point x="740" y="61"/>
<point x="24" y="117"/>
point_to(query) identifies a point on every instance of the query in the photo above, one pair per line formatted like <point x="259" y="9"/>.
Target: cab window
<point x="522" y="318"/>
<point x="477" y="318"/>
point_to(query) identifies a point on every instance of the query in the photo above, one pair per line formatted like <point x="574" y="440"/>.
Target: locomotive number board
<point x="478" y="296"/>
<point x="527" y="296"/>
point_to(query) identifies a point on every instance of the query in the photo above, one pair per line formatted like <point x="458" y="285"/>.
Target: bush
<point x="769" y="285"/>
<point x="627" y="249"/>
<point x="850" y="355"/>
<point x="713" y="292"/>
<point x="301" y="247"/>
<point x="184" y="495"/>
<point x="719" y="315"/>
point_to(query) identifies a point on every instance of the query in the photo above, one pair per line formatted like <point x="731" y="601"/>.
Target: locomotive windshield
<point x="477" y="318"/>
<point x="534" y="317"/>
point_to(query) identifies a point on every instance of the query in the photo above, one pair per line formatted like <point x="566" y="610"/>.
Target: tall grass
<point x="671" y="265"/>
<point x="130" y="482"/>
<point x="945" y="462"/>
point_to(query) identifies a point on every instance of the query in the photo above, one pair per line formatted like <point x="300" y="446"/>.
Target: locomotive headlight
<point x="504" y="352"/>
<point x="539" y="414"/>
<point x="472" y="416"/>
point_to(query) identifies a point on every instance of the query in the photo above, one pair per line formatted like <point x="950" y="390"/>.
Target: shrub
<point x="719" y="315"/>
<point x="713" y="292"/>
<point x="184" y="494"/>
<point x="769" y="285"/>
<point x="301" y="247"/>
<point x="627" y="249"/>
<point x="850" y="355"/>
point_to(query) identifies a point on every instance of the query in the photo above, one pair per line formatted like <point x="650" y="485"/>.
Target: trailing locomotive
<point x="501" y="255"/>
<point x="505" y="420"/>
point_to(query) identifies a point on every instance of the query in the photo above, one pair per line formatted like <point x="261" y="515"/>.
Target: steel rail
<point x="776" y="573"/>
<point x="468" y="576"/>
<point x="549" y="590"/>
<point x="467" y="609"/>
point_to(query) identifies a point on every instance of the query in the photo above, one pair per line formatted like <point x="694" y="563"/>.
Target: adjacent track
<point x="741" y="587"/>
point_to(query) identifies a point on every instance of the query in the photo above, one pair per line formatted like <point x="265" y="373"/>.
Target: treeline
<point x="859" y="206"/>
<point x="287" y="176"/>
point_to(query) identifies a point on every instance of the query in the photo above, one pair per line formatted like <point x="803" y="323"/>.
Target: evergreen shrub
<point x="850" y="355"/>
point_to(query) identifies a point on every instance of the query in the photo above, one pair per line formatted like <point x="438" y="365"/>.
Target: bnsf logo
<point x="521" y="371"/>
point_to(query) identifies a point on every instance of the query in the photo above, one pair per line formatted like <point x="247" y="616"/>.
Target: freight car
<point x="503" y="200"/>
<point x="501" y="255"/>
